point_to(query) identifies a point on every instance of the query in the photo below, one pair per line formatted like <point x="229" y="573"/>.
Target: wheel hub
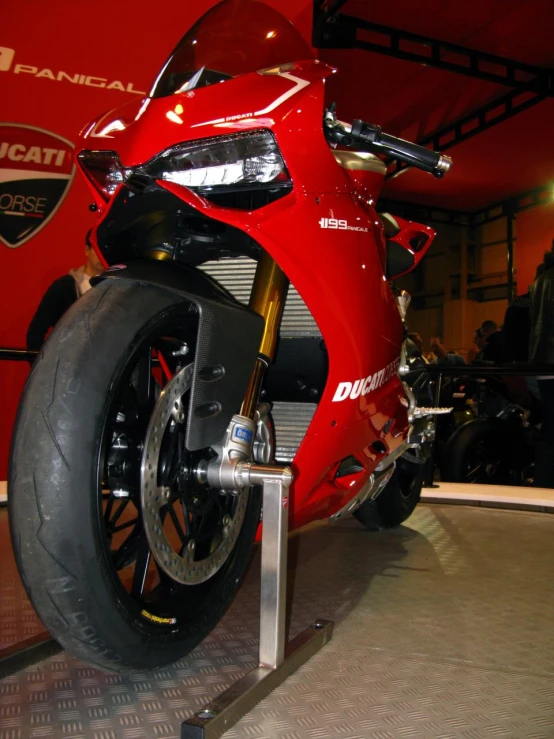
<point x="186" y="566"/>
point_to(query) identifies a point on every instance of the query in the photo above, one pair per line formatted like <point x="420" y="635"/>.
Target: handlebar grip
<point x="419" y="156"/>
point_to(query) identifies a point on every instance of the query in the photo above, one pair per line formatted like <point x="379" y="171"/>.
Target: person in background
<point x="477" y="346"/>
<point x="493" y="350"/>
<point x="516" y="326"/>
<point x="61" y="294"/>
<point x="541" y="350"/>
<point x="443" y="355"/>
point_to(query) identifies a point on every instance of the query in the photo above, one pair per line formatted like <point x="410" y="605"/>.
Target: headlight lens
<point x="104" y="170"/>
<point x="240" y="161"/>
<point x="223" y="164"/>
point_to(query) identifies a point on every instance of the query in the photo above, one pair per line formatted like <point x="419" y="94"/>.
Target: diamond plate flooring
<point x="18" y="620"/>
<point x="443" y="629"/>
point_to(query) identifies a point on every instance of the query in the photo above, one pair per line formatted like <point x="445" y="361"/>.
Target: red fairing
<point x="325" y="234"/>
<point x="415" y="238"/>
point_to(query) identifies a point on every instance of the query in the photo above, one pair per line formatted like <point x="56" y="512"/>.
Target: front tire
<point x="80" y="547"/>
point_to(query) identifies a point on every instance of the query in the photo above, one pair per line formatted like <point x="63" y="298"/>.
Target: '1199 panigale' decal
<point x="366" y="385"/>
<point x="340" y="224"/>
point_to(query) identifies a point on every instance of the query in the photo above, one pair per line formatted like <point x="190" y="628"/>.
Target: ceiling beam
<point x="415" y="212"/>
<point x="489" y="115"/>
<point x="328" y="8"/>
<point x="339" y="31"/>
<point x="542" y="195"/>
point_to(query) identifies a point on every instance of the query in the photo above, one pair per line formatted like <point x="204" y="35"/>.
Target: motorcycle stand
<point x="276" y="661"/>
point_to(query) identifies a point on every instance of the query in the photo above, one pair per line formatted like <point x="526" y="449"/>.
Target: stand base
<point x="229" y="707"/>
<point x="25" y="653"/>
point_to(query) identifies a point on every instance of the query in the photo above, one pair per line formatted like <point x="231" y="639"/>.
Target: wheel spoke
<point x="109" y="507"/>
<point x="127" y="552"/>
<point x="186" y="518"/>
<point x="125" y="525"/>
<point x="475" y="470"/>
<point x="171" y="465"/>
<point x="177" y="525"/>
<point x="122" y="506"/>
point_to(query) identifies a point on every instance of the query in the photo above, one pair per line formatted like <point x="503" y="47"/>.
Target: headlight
<point x="244" y="161"/>
<point x="219" y="163"/>
<point x="104" y="170"/>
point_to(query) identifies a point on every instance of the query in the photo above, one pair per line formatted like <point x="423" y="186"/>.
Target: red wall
<point x="124" y="41"/>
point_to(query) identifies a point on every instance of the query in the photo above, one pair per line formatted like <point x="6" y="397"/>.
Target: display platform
<point x="443" y="628"/>
<point x="491" y="496"/>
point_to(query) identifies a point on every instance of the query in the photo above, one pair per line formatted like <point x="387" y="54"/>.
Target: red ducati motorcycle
<point x="229" y="183"/>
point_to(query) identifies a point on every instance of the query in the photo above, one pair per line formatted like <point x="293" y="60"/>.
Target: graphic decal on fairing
<point x="367" y="384"/>
<point x="36" y="170"/>
<point x="340" y="224"/>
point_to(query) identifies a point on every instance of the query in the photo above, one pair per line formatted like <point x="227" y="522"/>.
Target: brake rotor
<point x="182" y="567"/>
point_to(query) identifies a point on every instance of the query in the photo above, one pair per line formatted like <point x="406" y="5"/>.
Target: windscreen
<point x="235" y="37"/>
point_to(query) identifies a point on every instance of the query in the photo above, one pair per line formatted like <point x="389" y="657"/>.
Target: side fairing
<point x="339" y="274"/>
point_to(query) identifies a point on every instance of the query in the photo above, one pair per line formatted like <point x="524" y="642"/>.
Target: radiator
<point x="291" y="420"/>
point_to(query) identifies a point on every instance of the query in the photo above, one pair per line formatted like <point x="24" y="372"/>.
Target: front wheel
<point x="103" y="417"/>
<point x="396" y="503"/>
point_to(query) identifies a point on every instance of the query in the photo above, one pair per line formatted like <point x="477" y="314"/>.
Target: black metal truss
<point x="334" y="30"/>
<point x="415" y="212"/>
<point x="529" y="84"/>
<point x="489" y="115"/>
<point x="324" y="10"/>
<point x="543" y="195"/>
<point x="503" y="209"/>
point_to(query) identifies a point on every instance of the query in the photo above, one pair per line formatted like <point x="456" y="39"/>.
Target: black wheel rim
<point x="148" y="590"/>
<point x="486" y="463"/>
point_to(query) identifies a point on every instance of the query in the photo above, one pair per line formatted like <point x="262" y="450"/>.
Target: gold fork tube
<point x="267" y="298"/>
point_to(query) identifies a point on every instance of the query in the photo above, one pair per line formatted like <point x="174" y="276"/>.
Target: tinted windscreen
<point x="235" y="37"/>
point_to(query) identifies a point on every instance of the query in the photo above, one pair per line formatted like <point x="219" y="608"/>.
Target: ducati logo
<point x="365" y="385"/>
<point x="36" y="170"/>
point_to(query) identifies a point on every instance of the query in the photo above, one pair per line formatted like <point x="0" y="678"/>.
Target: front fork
<point x="231" y="470"/>
<point x="267" y="298"/>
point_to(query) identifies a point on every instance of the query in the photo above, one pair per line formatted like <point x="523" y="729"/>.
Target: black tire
<point x="60" y="457"/>
<point x="397" y="501"/>
<point x="481" y="452"/>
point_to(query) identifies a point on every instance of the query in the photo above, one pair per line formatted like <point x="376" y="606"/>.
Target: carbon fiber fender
<point x="228" y="339"/>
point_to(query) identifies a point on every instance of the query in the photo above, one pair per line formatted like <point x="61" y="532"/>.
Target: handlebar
<point x="371" y="137"/>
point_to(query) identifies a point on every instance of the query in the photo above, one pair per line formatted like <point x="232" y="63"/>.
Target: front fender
<point x="229" y="337"/>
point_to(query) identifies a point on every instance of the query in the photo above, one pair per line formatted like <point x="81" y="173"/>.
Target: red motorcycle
<point x="130" y="524"/>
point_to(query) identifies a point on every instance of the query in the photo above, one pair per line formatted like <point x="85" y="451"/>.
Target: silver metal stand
<point x="277" y="661"/>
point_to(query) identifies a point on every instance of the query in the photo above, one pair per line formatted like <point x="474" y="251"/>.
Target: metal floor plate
<point x="443" y="629"/>
<point x="18" y="620"/>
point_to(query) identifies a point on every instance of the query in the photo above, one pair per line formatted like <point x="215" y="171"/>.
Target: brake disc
<point x="182" y="567"/>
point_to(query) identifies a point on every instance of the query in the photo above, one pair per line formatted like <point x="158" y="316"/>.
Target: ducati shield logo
<point x="36" y="170"/>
